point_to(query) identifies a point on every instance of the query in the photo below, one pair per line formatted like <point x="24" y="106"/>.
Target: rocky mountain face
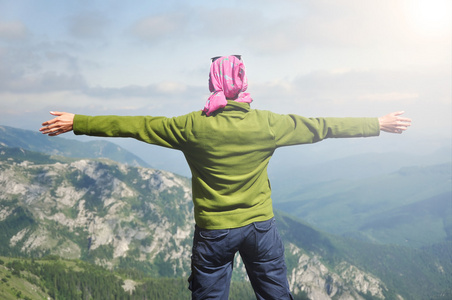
<point x="99" y="210"/>
<point x="343" y="282"/>
<point x="116" y="215"/>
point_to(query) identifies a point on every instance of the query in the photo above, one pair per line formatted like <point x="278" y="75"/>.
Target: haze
<point x="313" y="58"/>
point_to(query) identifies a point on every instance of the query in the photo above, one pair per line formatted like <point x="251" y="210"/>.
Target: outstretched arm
<point x="63" y="122"/>
<point x="161" y="131"/>
<point x="393" y="123"/>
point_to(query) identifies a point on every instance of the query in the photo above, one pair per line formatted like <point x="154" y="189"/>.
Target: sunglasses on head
<point x="217" y="57"/>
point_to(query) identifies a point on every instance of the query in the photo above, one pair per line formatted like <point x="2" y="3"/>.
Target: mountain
<point x="405" y="272"/>
<point x="36" y="141"/>
<point x="297" y="171"/>
<point x="123" y="217"/>
<point x="91" y="209"/>
<point x="412" y="206"/>
<point x="288" y="177"/>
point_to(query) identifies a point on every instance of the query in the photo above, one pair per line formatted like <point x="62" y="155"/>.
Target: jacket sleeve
<point x="162" y="131"/>
<point x="293" y="129"/>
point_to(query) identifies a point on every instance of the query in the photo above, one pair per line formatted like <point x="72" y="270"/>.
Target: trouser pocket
<point x="267" y="243"/>
<point x="210" y="246"/>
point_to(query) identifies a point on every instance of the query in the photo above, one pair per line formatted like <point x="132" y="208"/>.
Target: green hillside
<point x="55" y="278"/>
<point x="412" y="206"/>
<point x="414" y="273"/>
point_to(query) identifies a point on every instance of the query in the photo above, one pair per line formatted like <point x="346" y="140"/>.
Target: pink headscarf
<point x="227" y="80"/>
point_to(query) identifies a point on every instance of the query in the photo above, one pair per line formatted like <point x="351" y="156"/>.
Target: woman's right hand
<point x="61" y="124"/>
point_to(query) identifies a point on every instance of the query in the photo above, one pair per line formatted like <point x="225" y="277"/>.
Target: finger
<point x="47" y="130"/>
<point x="403" y="125"/>
<point x="401" y="128"/>
<point x="53" y="132"/>
<point x="398" y="113"/>
<point x="54" y="113"/>
<point x="405" y="120"/>
<point x="44" y="129"/>
<point x="47" y="123"/>
<point x="50" y="124"/>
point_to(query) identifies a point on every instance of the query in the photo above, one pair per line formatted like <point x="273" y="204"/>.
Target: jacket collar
<point x="234" y="106"/>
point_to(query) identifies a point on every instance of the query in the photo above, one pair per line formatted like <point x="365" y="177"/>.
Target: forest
<point x="74" y="279"/>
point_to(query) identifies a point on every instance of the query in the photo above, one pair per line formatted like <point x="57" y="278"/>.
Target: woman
<point x="228" y="146"/>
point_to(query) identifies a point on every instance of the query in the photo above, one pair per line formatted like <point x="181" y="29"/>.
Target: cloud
<point x="227" y="22"/>
<point x="293" y="26"/>
<point x="34" y="70"/>
<point x="13" y="31"/>
<point x="42" y="83"/>
<point x="345" y="24"/>
<point x="167" y="89"/>
<point x="158" y="27"/>
<point x="388" y="97"/>
<point x="88" y="25"/>
<point x="273" y="37"/>
<point x="353" y="92"/>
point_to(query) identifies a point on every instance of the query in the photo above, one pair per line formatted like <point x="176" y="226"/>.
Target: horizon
<point x="314" y="58"/>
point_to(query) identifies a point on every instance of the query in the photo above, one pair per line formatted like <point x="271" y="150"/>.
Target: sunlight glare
<point x="430" y="17"/>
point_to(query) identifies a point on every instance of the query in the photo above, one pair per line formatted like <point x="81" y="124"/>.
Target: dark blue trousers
<point x="262" y="252"/>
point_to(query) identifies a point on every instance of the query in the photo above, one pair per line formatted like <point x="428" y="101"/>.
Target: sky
<point x="315" y="58"/>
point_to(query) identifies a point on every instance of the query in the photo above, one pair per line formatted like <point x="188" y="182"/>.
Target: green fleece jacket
<point x="228" y="152"/>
